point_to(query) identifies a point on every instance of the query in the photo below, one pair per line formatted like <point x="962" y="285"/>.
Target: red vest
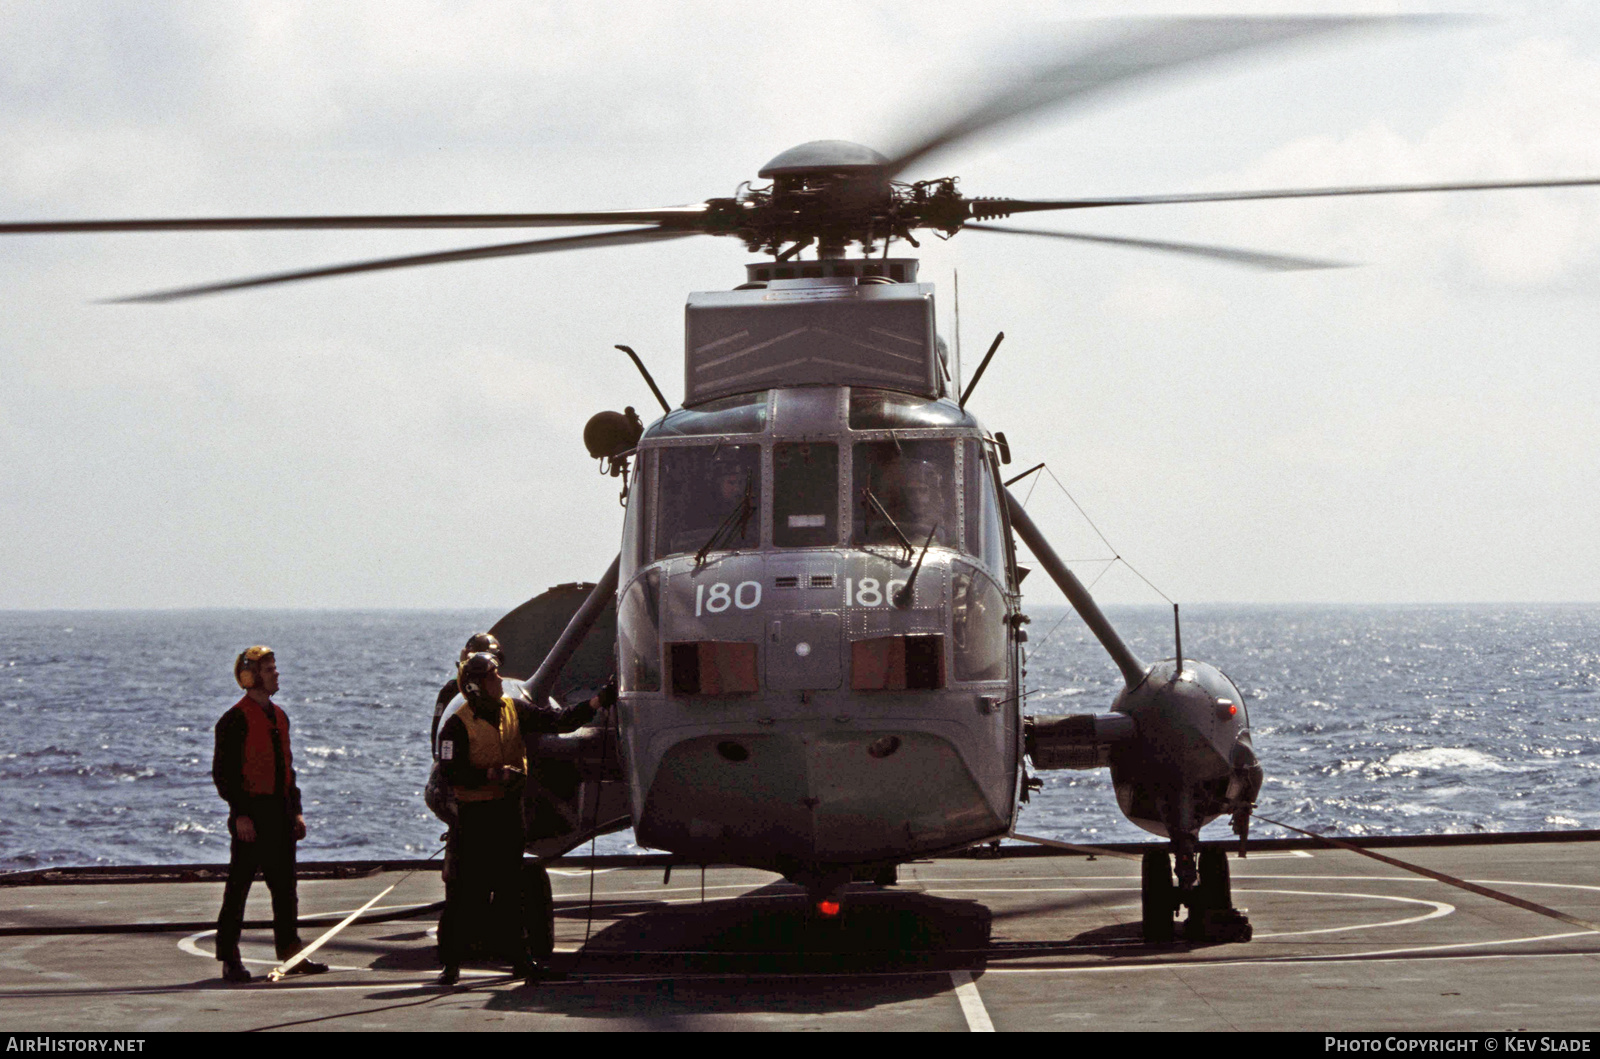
<point x="258" y="755"/>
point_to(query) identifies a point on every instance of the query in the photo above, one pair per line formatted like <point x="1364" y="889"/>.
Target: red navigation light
<point x="828" y="908"/>
<point x="1226" y="709"/>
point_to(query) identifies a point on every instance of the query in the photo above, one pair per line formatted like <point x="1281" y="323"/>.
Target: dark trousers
<point x="486" y="894"/>
<point x="271" y="854"/>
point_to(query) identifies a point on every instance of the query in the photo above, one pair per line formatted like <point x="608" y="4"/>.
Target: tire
<point x="538" y="906"/>
<point x="1215" y="889"/>
<point x="1156" y="897"/>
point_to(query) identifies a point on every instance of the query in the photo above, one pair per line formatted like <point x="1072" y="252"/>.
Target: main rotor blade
<point x="671" y="216"/>
<point x="1160" y="45"/>
<point x="1248" y="258"/>
<point x="535" y="246"/>
<point x="1001" y="207"/>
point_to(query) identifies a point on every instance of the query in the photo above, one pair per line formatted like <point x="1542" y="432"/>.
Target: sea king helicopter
<point x="815" y="616"/>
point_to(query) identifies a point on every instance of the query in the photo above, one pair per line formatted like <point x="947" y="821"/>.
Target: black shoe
<point x="534" y="972"/>
<point x="307" y="967"/>
<point x="450" y="975"/>
<point x="233" y="971"/>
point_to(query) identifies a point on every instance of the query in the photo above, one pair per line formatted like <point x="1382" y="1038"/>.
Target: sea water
<point x="1368" y="720"/>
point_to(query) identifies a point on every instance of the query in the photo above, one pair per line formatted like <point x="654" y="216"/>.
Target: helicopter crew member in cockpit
<point x="253" y="769"/>
<point x="485" y="760"/>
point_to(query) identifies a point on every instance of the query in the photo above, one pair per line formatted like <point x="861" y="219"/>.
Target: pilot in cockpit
<point x="712" y="507"/>
<point x="913" y="494"/>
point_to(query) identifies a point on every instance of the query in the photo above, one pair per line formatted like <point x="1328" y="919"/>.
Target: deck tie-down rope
<point x="1439" y="876"/>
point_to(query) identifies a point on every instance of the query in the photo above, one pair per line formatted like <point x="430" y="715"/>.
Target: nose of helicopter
<point x="810" y="792"/>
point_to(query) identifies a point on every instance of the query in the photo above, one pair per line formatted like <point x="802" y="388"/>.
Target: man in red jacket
<point x="253" y="769"/>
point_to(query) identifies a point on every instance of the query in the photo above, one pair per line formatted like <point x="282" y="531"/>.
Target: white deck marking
<point x="972" y="1008"/>
<point x="188" y="945"/>
<point x="1439" y="908"/>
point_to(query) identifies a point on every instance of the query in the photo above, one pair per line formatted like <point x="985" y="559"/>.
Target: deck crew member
<point x="485" y="760"/>
<point x="253" y="769"/>
<point x="478" y="642"/>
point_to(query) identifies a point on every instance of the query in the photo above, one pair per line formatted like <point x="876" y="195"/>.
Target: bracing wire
<point x="1116" y="556"/>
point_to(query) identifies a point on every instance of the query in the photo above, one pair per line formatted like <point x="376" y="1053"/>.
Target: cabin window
<point x="744" y="413"/>
<point x="636" y="522"/>
<point x="805" y="494"/>
<point x="707" y="497"/>
<point x="978" y="626"/>
<point x="904" y="490"/>
<point x="887" y="410"/>
<point x="985" y="532"/>
<point x="638" y="635"/>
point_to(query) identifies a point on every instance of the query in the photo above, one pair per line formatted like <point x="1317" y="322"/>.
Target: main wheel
<point x="1156" y="897"/>
<point x="539" y="910"/>
<point x="1215" y="889"/>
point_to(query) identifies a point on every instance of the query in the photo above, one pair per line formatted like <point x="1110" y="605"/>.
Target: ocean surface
<point x="1368" y="720"/>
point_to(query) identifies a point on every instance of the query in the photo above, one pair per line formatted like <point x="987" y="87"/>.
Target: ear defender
<point x="248" y="663"/>
<point x="474" y="673"/>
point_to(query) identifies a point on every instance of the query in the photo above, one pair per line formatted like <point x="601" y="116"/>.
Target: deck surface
<point x="1016" y="943"/>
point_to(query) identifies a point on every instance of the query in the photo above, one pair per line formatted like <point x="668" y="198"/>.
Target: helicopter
<point x="820" y="640"/>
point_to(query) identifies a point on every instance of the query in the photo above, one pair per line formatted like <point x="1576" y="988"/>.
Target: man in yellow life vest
<point x="253" y="769"/>
<point x="485" y="761"/>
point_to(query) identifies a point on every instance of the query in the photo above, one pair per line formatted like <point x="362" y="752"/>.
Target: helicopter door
<point x="803" y="652"/>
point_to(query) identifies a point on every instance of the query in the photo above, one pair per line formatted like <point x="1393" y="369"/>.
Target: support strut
<point x="545" y="679"/>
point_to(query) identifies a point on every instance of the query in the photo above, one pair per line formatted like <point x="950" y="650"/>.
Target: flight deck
<point x="1026" y="939"/>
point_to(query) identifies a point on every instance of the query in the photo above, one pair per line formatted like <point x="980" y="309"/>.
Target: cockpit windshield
<point x="905" y="488"/>
<point x="708" y="495"/>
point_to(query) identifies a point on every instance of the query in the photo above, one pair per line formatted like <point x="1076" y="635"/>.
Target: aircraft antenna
<point x="665" y="407"/>
<point x="1177" y="635"/>
<point x="956" y="287"/>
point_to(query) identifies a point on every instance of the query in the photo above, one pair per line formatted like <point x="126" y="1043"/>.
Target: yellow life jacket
<point x="491" y="744"/>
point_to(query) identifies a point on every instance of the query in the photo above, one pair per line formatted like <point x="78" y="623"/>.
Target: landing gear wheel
<point x="539" y="912"/>
<point x="1215" y="889"/>
<point x="1157" y="898"/>
<point x="1212" y="916"/>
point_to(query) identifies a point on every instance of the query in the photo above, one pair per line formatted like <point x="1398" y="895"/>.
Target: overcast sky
<point x="1421" y="428"/>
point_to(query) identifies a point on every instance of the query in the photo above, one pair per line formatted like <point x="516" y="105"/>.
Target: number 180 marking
<point x="746" y="595"/>
<point x="868" y="592"/>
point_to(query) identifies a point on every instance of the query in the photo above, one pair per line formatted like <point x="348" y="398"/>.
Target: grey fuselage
<point x="786" y="702"/>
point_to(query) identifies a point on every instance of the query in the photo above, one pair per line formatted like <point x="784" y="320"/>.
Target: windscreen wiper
<point x="732" y="527"/>
<point x="870" y="501"/>
<point x="904" y="594"/>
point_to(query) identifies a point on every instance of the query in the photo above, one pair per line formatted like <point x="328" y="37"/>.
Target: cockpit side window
<point x="805" y="494"/>
<point x="904" y="489"/>
<point x="707" y="495"/>
<point x="635" y="524"/>
<point x="985" y="533"/>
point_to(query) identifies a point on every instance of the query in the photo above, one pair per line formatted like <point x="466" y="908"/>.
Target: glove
<point x="608" y="694"/>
